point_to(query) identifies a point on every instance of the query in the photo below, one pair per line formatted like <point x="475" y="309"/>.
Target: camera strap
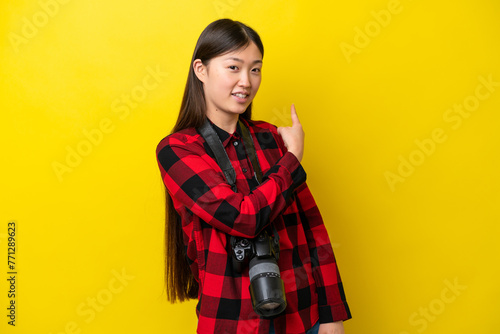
<point x="213" y="140"/>
<point x="251" y="151"/>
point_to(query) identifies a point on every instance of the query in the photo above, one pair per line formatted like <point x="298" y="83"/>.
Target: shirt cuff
<point x="333" y="313"/>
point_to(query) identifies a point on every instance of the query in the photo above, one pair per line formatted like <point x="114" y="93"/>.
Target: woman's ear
<point x="200" y="70"/>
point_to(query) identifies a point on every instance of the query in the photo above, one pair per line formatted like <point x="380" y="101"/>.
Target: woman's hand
<point x="332" y="328"/>
<point x="293" y="136"/>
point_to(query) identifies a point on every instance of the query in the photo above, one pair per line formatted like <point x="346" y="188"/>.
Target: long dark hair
<point x="219" y="37"/>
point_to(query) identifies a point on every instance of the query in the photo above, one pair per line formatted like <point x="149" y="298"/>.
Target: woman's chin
<point x="238" y="110"/>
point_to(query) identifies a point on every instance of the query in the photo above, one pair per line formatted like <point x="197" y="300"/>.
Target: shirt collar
<point x="224" y="136"/>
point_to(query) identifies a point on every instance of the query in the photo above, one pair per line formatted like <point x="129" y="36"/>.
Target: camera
<point x="261" y="254"/>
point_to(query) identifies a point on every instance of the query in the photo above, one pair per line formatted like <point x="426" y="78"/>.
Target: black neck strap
<point x="247" y="139"/>
<point x="213" y="140"/>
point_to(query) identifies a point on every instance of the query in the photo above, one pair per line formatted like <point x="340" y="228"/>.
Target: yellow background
<point x="399" y="245"/>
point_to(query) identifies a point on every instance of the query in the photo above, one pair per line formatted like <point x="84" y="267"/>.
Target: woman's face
<point x="232" y="80"/>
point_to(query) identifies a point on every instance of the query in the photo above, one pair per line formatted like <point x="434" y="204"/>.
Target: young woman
<point x="205" y="213"/>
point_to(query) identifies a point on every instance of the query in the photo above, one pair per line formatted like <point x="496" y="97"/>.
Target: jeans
<point x="313" y="330"/>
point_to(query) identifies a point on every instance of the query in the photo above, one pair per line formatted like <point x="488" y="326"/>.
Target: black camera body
<point x="261" y="254"/>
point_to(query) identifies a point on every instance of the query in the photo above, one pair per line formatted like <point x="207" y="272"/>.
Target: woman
<point x="205" y="213"/>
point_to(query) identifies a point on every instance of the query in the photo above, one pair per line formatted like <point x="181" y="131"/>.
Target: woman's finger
<point x="295" y="118"/>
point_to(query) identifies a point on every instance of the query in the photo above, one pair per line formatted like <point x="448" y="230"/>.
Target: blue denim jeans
<point x="313" y="330"/>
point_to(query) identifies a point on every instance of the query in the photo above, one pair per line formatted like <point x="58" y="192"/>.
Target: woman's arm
<point x="332" y="304"/>
<point x="201" y="187"/>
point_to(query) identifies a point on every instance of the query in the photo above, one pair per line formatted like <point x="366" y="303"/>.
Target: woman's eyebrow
<point x="241" y="60"/>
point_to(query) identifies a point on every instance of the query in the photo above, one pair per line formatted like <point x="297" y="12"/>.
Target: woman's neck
<point x="225" y="121"/>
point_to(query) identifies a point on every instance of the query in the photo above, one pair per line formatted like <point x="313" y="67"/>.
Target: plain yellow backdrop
<point x="399" y="101"/>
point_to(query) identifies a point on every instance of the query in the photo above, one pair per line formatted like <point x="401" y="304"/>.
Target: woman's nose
<point x="244" y="80"/>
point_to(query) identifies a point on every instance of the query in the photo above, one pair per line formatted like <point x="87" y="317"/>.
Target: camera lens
<point x="266" y="287"/>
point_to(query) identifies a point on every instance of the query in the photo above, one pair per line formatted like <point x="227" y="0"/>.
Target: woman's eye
<point x="232" y="67"/>
<point x="257" y="70"/>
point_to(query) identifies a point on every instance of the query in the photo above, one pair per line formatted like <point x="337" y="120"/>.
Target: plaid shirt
<point x="211" y="212"/>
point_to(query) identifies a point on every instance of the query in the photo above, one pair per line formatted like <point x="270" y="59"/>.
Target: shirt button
<point x="235" y="143"/>
<point x="244" y="170"/>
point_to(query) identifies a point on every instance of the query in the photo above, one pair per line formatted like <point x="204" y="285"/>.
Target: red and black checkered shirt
<point x="211" y="212"/>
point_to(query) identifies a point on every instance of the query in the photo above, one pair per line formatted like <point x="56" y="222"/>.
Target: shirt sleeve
<point x="332" y="302"/>
<point x="196" y="181"/>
